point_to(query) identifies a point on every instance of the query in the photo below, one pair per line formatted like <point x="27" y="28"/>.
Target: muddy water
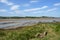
<point x="23" y="22"/>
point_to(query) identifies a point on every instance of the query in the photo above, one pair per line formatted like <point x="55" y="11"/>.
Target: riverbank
<point x="29" y="32"/>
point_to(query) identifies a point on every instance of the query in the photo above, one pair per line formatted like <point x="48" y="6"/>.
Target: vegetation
<point x="16" y="17"/>
<point x="29" y="32"/>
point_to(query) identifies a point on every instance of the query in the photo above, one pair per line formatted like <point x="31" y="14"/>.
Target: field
<point x="30" y="32"/>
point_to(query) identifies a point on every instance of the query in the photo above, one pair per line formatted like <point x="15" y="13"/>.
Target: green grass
<point x="29" y="32"/>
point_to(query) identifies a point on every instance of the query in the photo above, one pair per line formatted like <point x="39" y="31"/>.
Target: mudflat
<point x="13" y="23"/>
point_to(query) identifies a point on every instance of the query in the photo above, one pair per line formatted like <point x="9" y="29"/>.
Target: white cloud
<point x="49" y="10"/>
<point x="3" y="10"/>
<point x="38" y="12"/>
<point x="44" y="7"/>
<point x="26" y="5"/>
<point x="11" y="12"/>
<point x="6" y="2"/>
<point x="10" y="3"/>
<point x="15" y="7"/>
<point x="53" y="9"/>
<point x="33" y="1"/>
<point x="57" y="4"/>
<point x="17" y="11"/>
<point x="34" y="9"/>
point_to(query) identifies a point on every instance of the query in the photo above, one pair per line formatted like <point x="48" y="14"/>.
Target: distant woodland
<point x="15" y="17"/>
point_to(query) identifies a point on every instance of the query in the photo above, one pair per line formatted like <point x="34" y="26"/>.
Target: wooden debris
<point x="41" y="35"/>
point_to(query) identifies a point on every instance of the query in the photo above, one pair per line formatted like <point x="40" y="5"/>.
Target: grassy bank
<point x="29" y="32"/>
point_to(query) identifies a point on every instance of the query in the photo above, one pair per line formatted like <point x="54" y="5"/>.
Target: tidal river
<point x="13" y="23"/>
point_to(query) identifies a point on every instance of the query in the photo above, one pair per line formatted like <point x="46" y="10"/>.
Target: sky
<point x="30" y="8"/>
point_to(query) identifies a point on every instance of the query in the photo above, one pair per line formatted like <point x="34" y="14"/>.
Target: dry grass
<point x="29" y="32"/>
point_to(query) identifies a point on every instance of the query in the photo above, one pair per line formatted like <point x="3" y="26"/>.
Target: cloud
<point x="33" y="1"/>
<point x="6" y="2"/>
<point x="3" y="10"/>
<point x="34" y="9"/>
<point x="53" y="9"/>
<point x="44" y="7"/>
<point x="57" y="4"/>
<point x="45" y="11"/>
<point x="26" y="5"/>
<point x="11" y="12"/>
<point x="38" y="12"/>
<point x="12" y="6"/>
<point x="15" y="7"/>
<point x="17" y="11"/>
<point x="10" y="3"/>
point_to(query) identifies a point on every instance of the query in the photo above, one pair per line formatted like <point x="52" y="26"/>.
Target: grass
<point x="29" y="32"/>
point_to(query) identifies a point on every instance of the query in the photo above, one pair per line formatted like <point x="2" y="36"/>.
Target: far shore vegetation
<point x="17" y="17"/>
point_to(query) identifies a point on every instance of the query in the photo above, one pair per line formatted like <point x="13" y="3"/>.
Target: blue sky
<point x="30" y="8"/>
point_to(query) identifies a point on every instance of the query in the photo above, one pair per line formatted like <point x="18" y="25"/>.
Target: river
<point x="13" y="23"/>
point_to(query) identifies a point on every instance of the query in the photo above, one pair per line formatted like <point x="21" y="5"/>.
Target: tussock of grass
<point x="29" y="32"/>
